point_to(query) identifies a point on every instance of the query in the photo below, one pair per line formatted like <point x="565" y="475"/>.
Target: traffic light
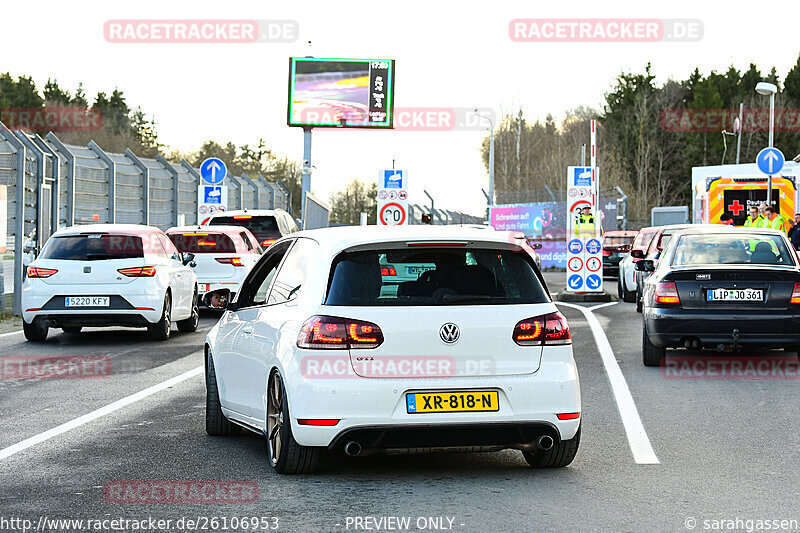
<point x="426" y="219"/>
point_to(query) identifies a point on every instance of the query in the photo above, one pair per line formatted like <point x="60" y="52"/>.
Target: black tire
<point x="628" y="296"/>
<point x="638" y="300"/>
<point x="35" y="332"/>
<point x="160" y="330"/>
<point x="559" y="456"/>
<point x="652" y="355"/>
<point x="285" y="455"/>
<point x="619" y="286"/>
<point x="190" y="324"/>
<point x="72" y="330"/>
<point x="217" y="424"/>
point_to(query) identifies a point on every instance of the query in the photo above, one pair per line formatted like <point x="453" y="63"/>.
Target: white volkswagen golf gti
<point x="109" y="275"/>
<point x="315" y="353"/>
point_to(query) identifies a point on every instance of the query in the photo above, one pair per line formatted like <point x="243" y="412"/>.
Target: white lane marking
<point x="9" y="334"/>
<point x="103" y="411"/>
<point x="600" y="306"/>
<point x="638" y="440"/>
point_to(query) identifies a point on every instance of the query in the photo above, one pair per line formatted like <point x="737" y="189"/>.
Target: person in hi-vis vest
<point x="584" y="224"/>
<point x="754" y="218"/>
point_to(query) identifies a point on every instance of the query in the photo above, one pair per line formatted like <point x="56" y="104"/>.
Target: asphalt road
<point x="725" y="449"/>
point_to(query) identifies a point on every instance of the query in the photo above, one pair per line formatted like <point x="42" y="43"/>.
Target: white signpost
<point x="212" y="193"/>
<point x="584" y="245"/>
<point x="393" y="198"/>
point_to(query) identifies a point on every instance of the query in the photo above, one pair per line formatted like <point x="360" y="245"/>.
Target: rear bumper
<point x="92" y="320"/>
<point x="406" y="439"/>
<point x="671" y="327"/>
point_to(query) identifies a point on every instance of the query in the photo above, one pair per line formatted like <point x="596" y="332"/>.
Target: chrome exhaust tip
<point x="545" y="442"/>
<point x="352" y="448"/>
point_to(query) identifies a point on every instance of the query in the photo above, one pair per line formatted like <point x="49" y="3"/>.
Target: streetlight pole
<point x="491" y="158"/>
<point x="770" y="89"/>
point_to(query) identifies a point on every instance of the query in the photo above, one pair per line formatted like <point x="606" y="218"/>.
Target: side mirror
<point x="219" y="299"/>
<point x="645" y="265"/>
<point x="638" y="254"/>
<point x="187" y="258"/>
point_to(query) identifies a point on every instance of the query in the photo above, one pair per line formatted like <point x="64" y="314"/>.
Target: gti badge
<point x="449" y="333"/>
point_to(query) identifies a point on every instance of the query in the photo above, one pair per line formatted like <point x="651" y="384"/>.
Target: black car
<point x="268" y="225"/>
<point x="722" y="289"/>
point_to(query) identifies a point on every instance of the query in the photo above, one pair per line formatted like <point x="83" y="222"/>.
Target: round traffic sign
<point x="392" y="195"/>
<point x="575" y="282"/>
<point x="402" y="195"/>
<point x="573" y="192"/>
<point x="382" y="194"/>
<point x="575" y="264"/>
<point x="593" y="264"/>
<point x="575" y="246"/>
<point x="213" y="170"/>
<point x="594" y="281"/>
<point x="593" y="246"/>
<point x="392" y="214"/>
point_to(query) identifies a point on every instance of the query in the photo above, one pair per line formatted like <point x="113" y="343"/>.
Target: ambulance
<point x="734" y="195"/>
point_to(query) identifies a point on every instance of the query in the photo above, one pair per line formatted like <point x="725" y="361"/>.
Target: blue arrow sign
<point x="770" y="160"/>
<point x="575" y="282"/>
<point x="593" y="246"/>
<point x="213" y="170"/>
<point x="594" y="281"/>
<point x="575" y="246"/>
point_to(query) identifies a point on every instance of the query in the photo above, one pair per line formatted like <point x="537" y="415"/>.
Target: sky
<point x="448" y="55"/>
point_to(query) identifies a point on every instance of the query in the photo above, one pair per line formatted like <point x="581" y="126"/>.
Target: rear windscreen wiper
<point x="478" y="298"/>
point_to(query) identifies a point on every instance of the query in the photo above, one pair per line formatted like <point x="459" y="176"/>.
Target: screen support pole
<point x="306" y="183"/>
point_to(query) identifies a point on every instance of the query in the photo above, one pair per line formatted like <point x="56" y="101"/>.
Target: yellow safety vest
<point x="584" y="225"/>
<point x="776" y="223"/>
<point x="750" y="223"/>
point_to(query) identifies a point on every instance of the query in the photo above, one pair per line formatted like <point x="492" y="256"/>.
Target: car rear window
<point x="617" y="240"/>
<point x="262" y="226"/>
<point x="202" y="243"/>
<point x="643" y="239"/>
<point x="93" y="247"/>
<point x="460" y="277"/>
<point x="733" y="249"/>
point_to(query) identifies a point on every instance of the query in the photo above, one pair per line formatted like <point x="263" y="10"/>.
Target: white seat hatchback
<point x="321" y="351"/>
<point x="109" y="275"/>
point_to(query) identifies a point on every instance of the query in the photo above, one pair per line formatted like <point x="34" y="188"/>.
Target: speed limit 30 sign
<point x="392" y="214"/>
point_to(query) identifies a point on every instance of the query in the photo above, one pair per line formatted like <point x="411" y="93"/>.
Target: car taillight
<point x="388" y="271"/>
<point x="606" y="253"/>
<point x="39" y="272"/>
<point x="317" y="421"/>
<point x="138" y="272"/>
<point x="667" y="293"/>
<point x="243" y="217"/>
<point x="267" y="242"/>
<point x="547" y="329"/>
<point x="235" y="261"/>
<point x="329" y="332"/>
<point x="795" y="294"/>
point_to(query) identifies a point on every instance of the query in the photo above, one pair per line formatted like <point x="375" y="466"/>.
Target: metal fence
<point x="613" y="203"/>
<point x="51" y="184"/>
<point x="440" y="216"/>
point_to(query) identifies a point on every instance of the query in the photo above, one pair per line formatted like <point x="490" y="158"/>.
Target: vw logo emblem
<point x="449" y="333"/>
